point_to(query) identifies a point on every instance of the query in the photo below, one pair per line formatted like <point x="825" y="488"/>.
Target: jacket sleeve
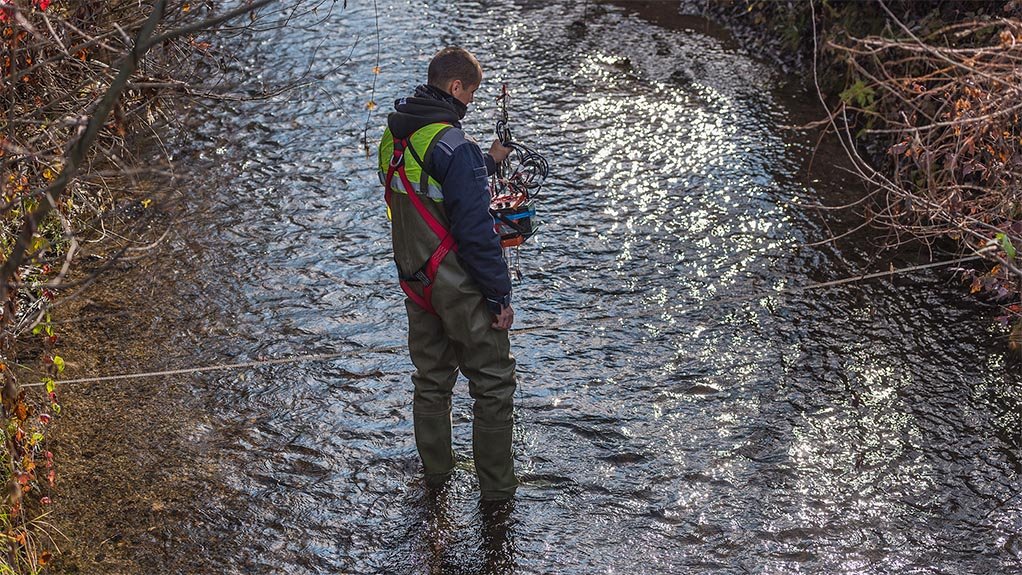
<point x="462" y="172"/>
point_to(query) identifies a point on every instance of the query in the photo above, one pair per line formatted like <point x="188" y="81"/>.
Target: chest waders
<point x="463" y="341"/>
<point x="426" y="274"/>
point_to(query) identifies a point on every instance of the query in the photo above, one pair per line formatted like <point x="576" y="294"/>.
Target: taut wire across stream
<point x="516" y="331"/>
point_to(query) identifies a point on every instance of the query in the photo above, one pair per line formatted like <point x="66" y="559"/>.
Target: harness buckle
<point x="397" y="159"/>
<point x="420" y="276"/>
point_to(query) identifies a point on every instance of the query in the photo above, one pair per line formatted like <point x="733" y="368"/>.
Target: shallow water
<point x="673" y="417"/>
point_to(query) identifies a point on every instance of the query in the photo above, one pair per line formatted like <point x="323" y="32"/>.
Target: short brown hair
<point x="454" y="63"/>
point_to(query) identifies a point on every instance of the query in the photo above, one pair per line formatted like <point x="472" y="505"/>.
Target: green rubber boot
<point x="491" y="448"/>
<point x="433" y="440"/>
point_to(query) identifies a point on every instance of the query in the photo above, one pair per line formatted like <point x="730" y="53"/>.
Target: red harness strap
<point x="427" y="274"/>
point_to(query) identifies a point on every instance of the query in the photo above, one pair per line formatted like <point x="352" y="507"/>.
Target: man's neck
<point x="434" y="93"/>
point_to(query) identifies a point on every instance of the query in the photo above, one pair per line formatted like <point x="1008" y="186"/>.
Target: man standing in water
<point x="451" y="267"/>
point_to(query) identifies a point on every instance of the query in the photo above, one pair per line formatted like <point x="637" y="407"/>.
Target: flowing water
<point x="674" y="415"/>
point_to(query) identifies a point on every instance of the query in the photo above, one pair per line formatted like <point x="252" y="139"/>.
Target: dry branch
<point x="944" y="111"/>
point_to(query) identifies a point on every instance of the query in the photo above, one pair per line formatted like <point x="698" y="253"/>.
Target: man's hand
<point x="499" y="151"/>
<point x="505" y="319"/>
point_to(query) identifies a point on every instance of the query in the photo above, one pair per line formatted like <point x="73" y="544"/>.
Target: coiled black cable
<point x="530" y="169"/>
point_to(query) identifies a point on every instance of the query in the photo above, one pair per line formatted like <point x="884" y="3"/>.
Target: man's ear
<point x="455" y="83"/>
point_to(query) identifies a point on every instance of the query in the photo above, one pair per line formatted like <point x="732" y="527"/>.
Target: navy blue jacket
<point x="457" y="163"/>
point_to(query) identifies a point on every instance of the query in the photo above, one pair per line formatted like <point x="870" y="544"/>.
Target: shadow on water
<point x="683" y="416"/>
<point x="441" y="546"/>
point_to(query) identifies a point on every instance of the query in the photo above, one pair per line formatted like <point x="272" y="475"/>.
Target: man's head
<point x="457" y="72"/>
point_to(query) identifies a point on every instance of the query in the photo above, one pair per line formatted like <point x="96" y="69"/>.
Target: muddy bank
<point x="133" y="457"/>
<point x="87" y="92"/>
